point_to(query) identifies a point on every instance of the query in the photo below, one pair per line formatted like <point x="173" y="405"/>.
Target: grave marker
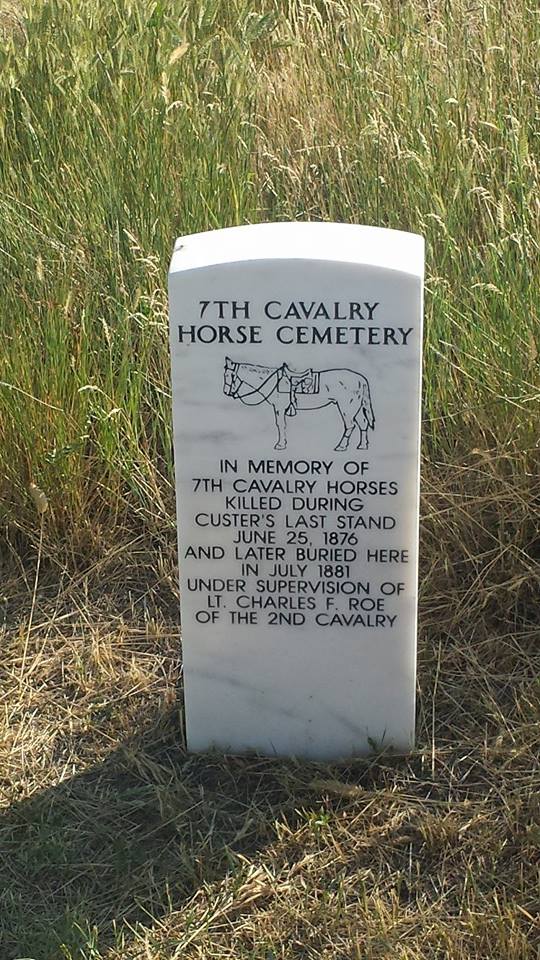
<point x="296" y="366"/>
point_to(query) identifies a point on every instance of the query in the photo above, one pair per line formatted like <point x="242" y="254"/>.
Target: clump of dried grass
<point x="12" y="21"/>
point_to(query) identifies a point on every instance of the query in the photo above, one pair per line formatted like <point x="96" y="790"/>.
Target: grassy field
<point x="125" y="124"/>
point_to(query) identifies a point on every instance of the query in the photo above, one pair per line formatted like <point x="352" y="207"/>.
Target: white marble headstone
<point x="296" y="365"/>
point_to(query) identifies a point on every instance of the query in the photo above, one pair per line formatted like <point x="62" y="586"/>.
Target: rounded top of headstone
<point x="334" y="242"/>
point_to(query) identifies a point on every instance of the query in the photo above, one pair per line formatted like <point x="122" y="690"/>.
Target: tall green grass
<point x="127" y="123"/>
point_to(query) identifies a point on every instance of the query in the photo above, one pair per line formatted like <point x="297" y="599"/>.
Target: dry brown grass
<point x="117" y="844"/>
<point x="11" y="20"/>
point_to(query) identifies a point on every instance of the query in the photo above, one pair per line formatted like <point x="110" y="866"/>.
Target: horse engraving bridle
<point x="233" y="389"/>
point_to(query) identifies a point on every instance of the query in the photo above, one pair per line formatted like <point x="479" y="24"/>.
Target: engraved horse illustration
<point x="287" y="391"/>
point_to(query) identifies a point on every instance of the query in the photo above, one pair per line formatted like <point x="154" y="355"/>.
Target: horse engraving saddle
<point x="295" y="383"/>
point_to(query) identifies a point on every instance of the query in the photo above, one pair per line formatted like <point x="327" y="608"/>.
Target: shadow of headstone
<point x="132" y="838"/>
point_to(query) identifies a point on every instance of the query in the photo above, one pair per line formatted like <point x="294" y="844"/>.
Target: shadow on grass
<point x="131" y="839"/>
<point x="134" y="838"/>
